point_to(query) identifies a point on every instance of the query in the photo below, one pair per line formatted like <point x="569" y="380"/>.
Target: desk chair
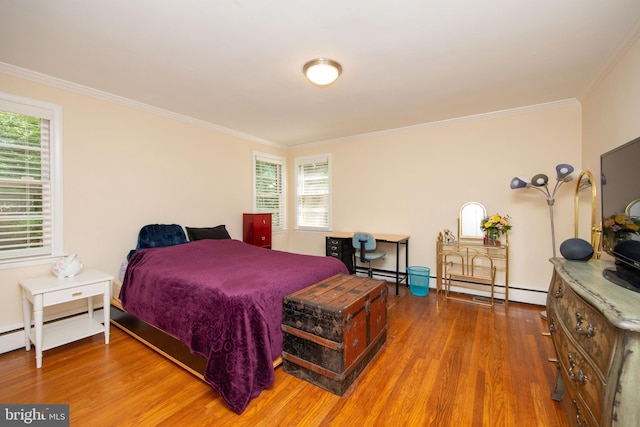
<point x="365" y="246"/>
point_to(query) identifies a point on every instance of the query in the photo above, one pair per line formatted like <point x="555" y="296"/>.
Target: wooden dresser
<point x="595" y="326"/>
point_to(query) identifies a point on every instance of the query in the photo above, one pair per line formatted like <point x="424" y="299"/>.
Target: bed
<point x="222" y="299"/>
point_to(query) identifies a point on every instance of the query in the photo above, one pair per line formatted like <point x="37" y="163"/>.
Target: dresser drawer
<point x="579" y="373"/>
<point x="335" y="247"/>
<point x="574" y="407"/>
<point x="257" y="229"/>
<point x="262" y="239"/>
<point x="71" y="294"/>
<point x="334" y="250"/>
<point x="332" y="241"/>
<point x="587" y="327"/>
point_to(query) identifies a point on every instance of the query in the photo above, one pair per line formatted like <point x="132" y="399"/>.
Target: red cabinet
<point x="256" y="229"/>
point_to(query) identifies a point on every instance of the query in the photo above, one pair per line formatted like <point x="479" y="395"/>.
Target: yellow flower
<point x="620" y="226"/>
<point x="620" y="219"/>
<point x="495" y="224"/>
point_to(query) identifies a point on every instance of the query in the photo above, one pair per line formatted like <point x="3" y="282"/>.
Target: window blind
<point x="25" y="186"/>
<point x="313" y="193"/>
<point x="269" y="189"/>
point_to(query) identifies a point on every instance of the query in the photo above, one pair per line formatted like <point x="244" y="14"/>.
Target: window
<point x="269" y="189"/>
<point x="313" y="193"/>
<point x="30" y="181"/>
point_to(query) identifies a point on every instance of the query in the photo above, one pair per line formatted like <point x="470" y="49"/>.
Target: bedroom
<point x="117" y="159"/>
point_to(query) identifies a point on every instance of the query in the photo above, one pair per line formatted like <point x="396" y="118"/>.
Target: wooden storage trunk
<point x="333" y="329"/>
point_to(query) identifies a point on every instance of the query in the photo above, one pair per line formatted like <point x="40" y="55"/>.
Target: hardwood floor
<point x="445" y="363"/>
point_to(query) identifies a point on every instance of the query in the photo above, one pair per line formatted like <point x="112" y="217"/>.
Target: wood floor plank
<point x="445" y="363"/>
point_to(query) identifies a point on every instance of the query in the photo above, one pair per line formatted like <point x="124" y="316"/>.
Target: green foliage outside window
<point x="269" y="191"/>
<point x="21" y="181"/>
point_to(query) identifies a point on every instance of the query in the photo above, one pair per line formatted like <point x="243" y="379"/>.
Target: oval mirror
<point x="585" y="211"/>
<point x="471" y="215"/>
<point x="633" y="209"/>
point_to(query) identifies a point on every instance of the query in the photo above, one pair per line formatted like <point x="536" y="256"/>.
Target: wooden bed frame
<point x="158" y="340"/>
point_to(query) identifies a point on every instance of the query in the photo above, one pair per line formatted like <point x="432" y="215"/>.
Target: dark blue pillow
<point x="158" y="236"/>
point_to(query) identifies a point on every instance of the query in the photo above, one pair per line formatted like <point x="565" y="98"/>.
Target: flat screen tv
<point x="620" y="193"/>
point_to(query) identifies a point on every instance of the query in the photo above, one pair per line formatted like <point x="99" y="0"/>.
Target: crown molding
<point x="36" y="77"/>
<point x="474" y="117"/>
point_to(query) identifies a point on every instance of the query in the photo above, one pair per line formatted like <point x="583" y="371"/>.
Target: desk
<point x="395" y="239"/>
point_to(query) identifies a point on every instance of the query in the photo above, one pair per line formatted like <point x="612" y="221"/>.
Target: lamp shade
<point x="322" y="71"/>
<point x="518" y="183"/>
<point x="564" y="170"/>
<point x="540" y="180"/>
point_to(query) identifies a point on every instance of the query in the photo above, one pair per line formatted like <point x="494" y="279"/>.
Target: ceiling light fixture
<point x="322" y="71"/>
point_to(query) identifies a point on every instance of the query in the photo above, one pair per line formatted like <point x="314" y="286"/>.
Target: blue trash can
<point x="419" y="280"/>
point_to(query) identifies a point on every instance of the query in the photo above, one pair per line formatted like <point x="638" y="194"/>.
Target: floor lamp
<point x="540" y="182"/>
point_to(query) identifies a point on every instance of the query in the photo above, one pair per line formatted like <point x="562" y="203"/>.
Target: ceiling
<point x="237" y="64"/>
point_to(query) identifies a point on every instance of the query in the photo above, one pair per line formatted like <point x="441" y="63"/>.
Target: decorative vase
<point x="610" y="240"/>
<point x="492" y="239"/>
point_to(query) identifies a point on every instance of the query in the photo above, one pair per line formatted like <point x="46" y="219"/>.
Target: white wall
<point x="414" y="181"/>
<point x="611" y="111"/>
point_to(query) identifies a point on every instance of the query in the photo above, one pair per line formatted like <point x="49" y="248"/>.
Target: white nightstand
<point x="40" y="292"/>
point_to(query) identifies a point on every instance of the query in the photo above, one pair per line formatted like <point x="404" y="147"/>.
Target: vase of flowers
<point x="618" y="227"/>
<point x="494" y="226"/>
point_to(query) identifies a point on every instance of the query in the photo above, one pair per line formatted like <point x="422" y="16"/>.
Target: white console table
<point x="40" y="292"/>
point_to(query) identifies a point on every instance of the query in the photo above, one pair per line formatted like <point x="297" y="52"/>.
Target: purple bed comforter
<point x="223" y="299"/>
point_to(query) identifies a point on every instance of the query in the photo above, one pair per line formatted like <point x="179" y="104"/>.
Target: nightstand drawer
<point x="71" y="294"/>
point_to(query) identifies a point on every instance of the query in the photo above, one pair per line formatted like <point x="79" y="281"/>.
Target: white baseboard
<point x="525" y="296"/>
<point x="12" y="341"/>
<point x="13" y="337"/>
<point x="528" y="297"/>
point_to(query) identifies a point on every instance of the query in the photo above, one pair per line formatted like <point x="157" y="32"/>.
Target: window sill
<point x="20" y="263"/>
